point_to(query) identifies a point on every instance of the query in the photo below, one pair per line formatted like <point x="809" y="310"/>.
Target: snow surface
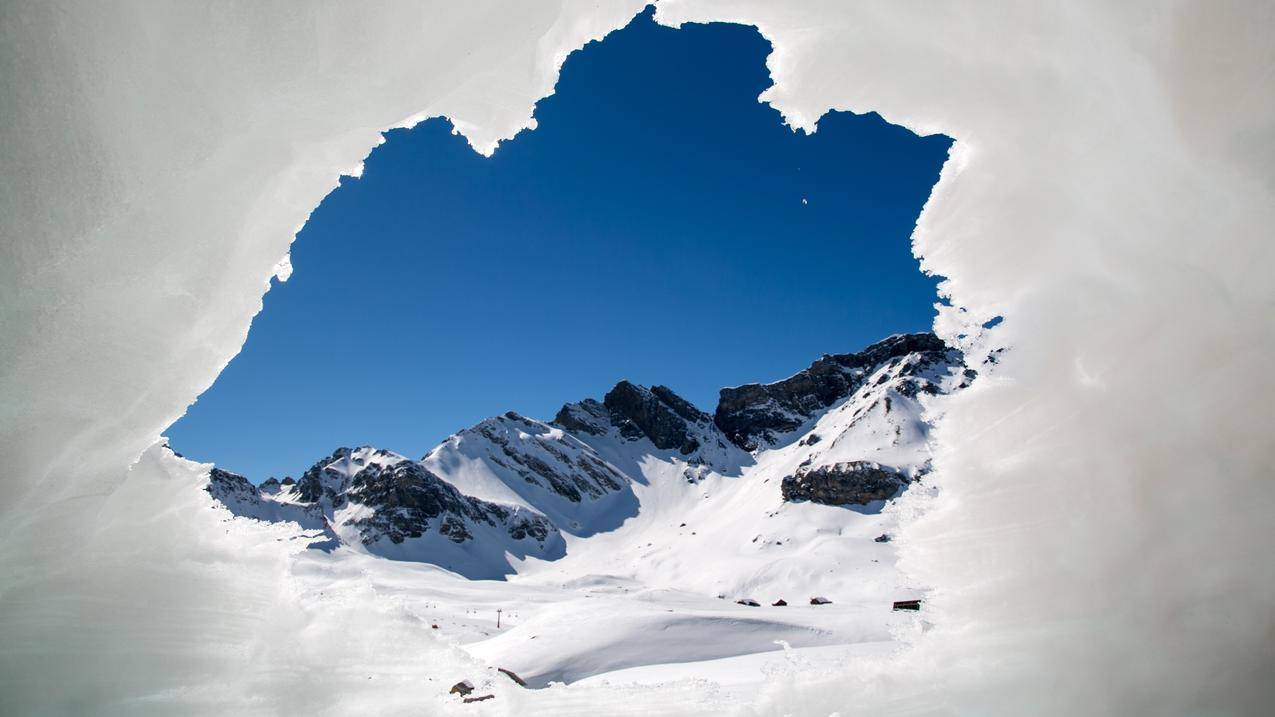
<point x="660" y="554"/>
<point x="1099" y="544"/>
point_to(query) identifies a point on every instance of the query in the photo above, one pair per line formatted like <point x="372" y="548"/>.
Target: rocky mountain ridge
<point x="756" y="415"/>
<point x="845" y="431"/>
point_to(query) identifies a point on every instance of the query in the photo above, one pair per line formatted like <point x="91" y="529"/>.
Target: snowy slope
<point x="521" y="461"/>
<point x="626" y="529"/>
<point x="247" y="500"/>
<point x="379" y="502"/>
<point x="662" y="588"/>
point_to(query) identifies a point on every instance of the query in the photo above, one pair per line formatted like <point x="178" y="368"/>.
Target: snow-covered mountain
<point x="396" y="508"/>
<point x="632" y="471"/>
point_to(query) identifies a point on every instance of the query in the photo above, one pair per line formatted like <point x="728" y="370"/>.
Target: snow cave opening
<point x="659" y="226"/>
<point x="659" y="223"/>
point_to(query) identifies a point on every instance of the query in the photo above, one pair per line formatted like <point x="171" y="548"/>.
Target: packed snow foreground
<point x="642" y="539"/>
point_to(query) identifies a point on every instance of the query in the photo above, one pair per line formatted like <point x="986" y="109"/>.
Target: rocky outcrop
<point x="515" y="459"/>
<point x="655" y="413"/>
<point x="555" y="462"/>
<point x="511" y="485"/>
<point x="849" y="483"/>
<point x="397" y="508"/>
<point x="231" y="487"/>
<point x="407" y="500"/>
<point x="588" y="417"/>
<point x="321" y="481"/>
<point x="755" y="415"/>
<point x="244" y="499"/>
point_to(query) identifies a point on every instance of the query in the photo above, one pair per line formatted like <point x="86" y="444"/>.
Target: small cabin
<point x="907" y="604"/>
<point x="462" y="688"/>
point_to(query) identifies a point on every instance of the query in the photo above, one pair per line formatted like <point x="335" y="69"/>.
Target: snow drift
<point x="1099" y="544"/>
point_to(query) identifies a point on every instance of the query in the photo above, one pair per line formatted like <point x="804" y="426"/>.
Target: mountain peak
<point x="657" y="414"/>
<point x="755" y="414"/>
<point x="848" y="430"/>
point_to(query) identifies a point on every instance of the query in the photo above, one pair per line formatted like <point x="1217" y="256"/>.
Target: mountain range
<point x="836" y="440"/>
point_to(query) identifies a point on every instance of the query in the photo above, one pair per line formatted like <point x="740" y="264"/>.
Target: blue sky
<point x="652" y="228"/>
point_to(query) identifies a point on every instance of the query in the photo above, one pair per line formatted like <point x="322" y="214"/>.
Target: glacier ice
<point x="1100" y="541"/>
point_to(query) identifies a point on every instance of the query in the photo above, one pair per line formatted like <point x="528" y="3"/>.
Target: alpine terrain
<point x="637" y="532"/>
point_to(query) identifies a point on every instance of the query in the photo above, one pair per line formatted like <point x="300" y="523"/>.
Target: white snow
<point x="674" y="560"/>
<point x="1099" y="544"/>
<point x="468" y="460"/>
<point x="692" y="560"/>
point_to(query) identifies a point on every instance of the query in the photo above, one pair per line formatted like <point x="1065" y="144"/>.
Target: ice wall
<point x="1100" y="545"/>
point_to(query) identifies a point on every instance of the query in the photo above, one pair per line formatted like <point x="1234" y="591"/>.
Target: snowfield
<point x="664" y="556"/>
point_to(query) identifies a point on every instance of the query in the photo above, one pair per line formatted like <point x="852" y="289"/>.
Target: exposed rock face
<point x="586" y="417"/>
<point x="243" y="498"/>
<point x="510" y="485"/>
<point x="656" y="413"/>
<point x="515" y="459"/>
<point x="556" y="462"/>
<point x="226" y="486"/>
<point x="849" y="483"/>
<point x="322" y="481"/>
<point x="407" y="498"/>
<point x="383" y="500"/>
<point x="754" y="415"/>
